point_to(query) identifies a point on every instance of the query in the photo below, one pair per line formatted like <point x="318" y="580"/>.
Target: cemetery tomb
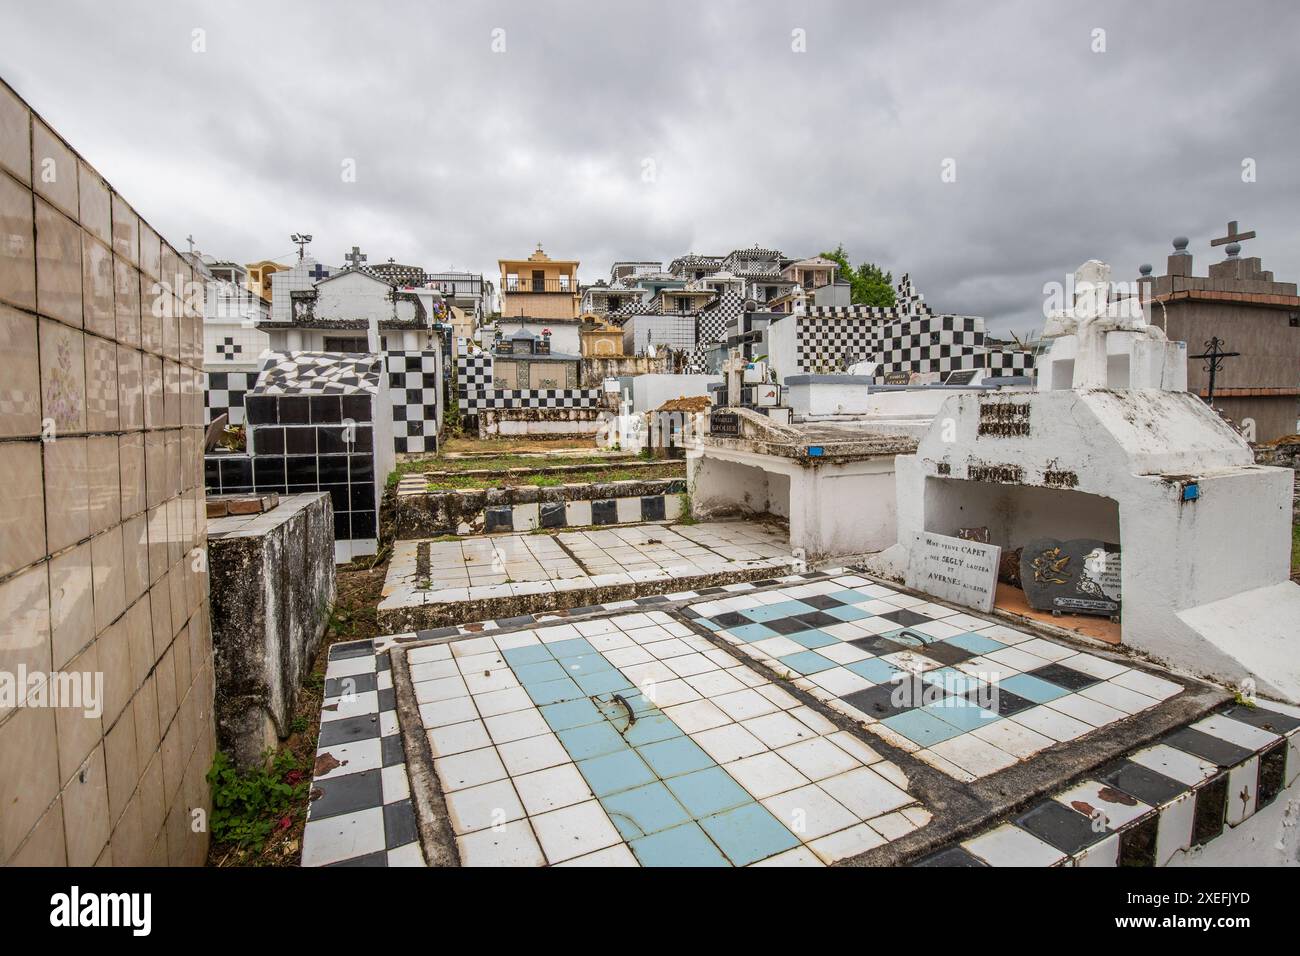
<point x="818" y="718"/>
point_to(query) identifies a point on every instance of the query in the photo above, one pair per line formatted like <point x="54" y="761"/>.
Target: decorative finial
<point x="1145" y="269"/>
<point x="1180" y="245"/>
<point x="1232" y="249"/>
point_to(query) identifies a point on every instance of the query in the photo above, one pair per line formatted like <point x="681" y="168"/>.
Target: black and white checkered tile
<point x="1146" y="808"/>
<point x="413" y="389"/>
<point x="711" y="327"/>
<point x="906" y="337"/>
<point x="475" y="392"/>
<point x="320" y="373"/>
<point x="369" y="821"/>
<point x="1007" y="362"/>
<point x="360" y="812"/>
<point x="223" y="393"/>
<point x="229" y="349"/>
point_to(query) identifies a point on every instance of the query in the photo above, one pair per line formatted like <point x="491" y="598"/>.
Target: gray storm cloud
<point x="643" y="131"/>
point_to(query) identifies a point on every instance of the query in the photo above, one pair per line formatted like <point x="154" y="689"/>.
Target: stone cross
<point x="355" y="258"/>
<point x="1233" y="235"/>
<point x="1090" y="319"/>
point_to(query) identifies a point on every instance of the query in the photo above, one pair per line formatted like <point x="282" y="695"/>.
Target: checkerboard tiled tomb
<point x="414" y="384"/>
<point x="675" y="730"/>
<point x="475" y="390"/>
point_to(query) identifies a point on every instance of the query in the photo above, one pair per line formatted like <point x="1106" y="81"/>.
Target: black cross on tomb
<point x="1214" y="356"/>
<point x="355" y="257"/>
<point x="1233" y="235"/>
<point x="319" y="272"/>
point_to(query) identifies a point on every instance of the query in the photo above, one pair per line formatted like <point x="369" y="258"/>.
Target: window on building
<point x="347" y="343"/>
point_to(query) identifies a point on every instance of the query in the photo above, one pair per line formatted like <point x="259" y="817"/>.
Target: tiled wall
<point x="475" y="391"/>
<point x="300" y="443"/>
<point x="101" y="520"/>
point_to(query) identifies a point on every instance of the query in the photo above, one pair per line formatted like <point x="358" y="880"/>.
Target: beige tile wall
<point x="101" y="518"/>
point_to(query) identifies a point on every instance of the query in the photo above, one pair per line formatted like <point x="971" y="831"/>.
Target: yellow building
<point x="539" y="287"/>
<point x="599" y="337"/>
<point x="259" y="277"/>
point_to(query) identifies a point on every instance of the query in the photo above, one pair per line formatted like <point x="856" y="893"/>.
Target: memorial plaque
<point x="724" y="422"/>
<point x="898" y="378"/>
<point x="956" y="570"/>
<point x="962" y="377"/>
<point x="1079" y="576"/>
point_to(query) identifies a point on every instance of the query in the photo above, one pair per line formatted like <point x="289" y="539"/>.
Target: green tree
<point x="868" y="283"/>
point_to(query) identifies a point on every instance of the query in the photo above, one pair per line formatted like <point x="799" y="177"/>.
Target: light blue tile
<point x="920" y="727"/>
<point x="538" y="673"/>
<point x="847" y="613"/>
<point x="749" y="833"/>
<point x="710" y="791"/>
<point x="976" y="643"/>
<point x="573" y="647"/>
<point x="709" y="623"/>
<point x="591" y="740"/>
<point x="529" y="654"/>
<point x="612" y="773"/>
<point x="1032" y="688"/>
<point x="953" y="680"/>
<point x="875" y="670"/>
<point x="644" y="810"/>
<point x="604" y="682"/>
<point x="752" y="632"/>
<point x="771" y="612"/>
<point x="813" y="638"/>
<point x="554" y="691"/>
<point x="961" y="713"/>
<point x="685" y="845"/>
<point x="651" y="728"/>
<point x="849" y="596"/>
<point x="585" y="664"/>
<point x="674" y="757"/>
<point x="807" y="662"/>
<point x="573" y="713"/>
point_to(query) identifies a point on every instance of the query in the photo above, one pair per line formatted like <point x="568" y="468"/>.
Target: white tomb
<point x="1205" y="533"/>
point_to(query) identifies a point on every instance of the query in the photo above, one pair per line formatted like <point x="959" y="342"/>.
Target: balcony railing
<point x="523" y="285"/>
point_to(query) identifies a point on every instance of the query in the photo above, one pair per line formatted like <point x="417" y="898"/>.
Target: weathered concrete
<point x="424" y="514"/>
<point x="272" y="588"/>
<point x="417" y="617"/>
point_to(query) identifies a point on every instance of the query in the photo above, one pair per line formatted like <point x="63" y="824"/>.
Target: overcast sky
<point x="646" y="130"/>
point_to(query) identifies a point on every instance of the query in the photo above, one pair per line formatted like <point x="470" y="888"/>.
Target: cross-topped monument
<point x="1234" y="237"/>
<point x="1090" y="318"/>
<point x="355" y="258"/>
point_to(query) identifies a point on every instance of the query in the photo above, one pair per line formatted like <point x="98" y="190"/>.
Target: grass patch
<point x="1295" y="548"/>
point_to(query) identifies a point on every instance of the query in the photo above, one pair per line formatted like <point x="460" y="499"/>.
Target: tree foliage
<point x="868" y="283"/>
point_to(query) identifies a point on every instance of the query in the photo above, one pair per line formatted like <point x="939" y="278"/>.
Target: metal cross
<point x="1214" y="356"/>
<point x="190" y="240"/>
<point x="355" y="257"/>
<point x="1233" y="235"/>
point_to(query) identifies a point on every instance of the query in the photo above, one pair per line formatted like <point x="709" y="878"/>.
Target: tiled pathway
<point x="502" y="566"/>
<point x="963" y="694"/>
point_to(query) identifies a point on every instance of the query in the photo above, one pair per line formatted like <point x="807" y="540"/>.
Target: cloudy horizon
<point x="645" y="132"/>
